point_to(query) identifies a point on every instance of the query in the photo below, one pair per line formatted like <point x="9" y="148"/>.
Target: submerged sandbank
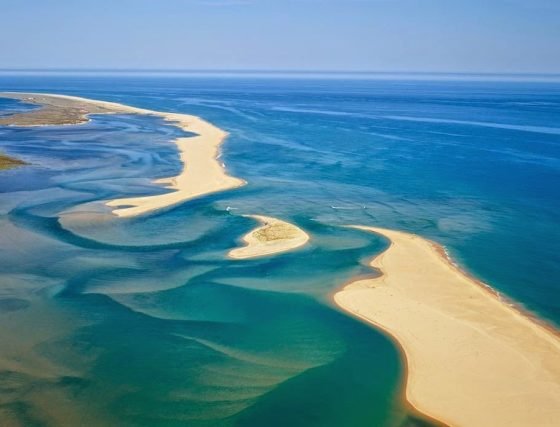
<point x="7" y="162"/>
<point x="202" y="172"/>
<point x="472" y="359"/>
<point x="271" y="237"/>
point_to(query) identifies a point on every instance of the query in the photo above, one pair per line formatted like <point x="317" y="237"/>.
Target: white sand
<point x="202" y="173"/>
<point x="472" y="359"/>
<point x="272" y="237"/>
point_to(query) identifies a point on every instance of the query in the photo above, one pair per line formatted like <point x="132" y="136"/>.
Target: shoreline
<point x="510" y="303"/>
<point x="505" y="356"/>
<point x="272" y="237"/>
<point x="202" y="173"/>
<point x="460" y="309"/>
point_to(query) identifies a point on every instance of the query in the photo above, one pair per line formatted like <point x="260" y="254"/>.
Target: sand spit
<point x="472" y="359"/>
<point x="202" y="173"/>
<point x="271" y="237"/>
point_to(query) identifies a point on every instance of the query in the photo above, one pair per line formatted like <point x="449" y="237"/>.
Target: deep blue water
<point x="144" y="322"/>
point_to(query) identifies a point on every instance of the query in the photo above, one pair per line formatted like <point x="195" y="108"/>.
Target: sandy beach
<point x="202" y="172"/>
<point x="472" y="359"/>
<point x="273" y="236"/>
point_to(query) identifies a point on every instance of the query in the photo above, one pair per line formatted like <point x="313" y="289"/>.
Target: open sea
<point x="145" y="322"/>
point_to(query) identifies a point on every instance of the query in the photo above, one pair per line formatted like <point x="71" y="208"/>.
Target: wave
<point x="349" y="207"/>
<point x="522" y="128"/>
<point x="322" y="112"/>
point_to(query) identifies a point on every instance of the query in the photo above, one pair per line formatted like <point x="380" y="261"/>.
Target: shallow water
<point x="144" y="322"/>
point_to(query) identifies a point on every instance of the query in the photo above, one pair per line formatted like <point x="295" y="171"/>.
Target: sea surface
<point x="145" y="322"/>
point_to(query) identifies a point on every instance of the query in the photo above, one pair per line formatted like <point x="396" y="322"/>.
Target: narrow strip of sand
<point x="472" y="359"/>
<point x="202" y="172"/>
<point x="273" y="236"/>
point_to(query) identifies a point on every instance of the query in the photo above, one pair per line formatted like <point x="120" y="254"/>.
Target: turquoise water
<point x="144" y="321"/>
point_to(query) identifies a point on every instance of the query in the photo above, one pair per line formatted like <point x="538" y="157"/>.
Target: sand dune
<point x="202" y="173"/>
<point x="272" y="237"/>
<point x="472" y="359"/>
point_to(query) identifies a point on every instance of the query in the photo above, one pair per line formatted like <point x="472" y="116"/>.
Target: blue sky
<point x="513" y="36"/>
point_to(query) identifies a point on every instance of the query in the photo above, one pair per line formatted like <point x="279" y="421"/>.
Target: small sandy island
<point x="272" y="237"/>
<point x="202" y="172"/>
<point x="473" y="360"/>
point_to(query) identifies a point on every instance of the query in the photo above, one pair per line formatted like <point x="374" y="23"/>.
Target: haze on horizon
<point x="499" y="36"/>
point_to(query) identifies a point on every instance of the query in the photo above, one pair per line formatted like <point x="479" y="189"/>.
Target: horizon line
<point x="295" y="74"/>
<point x="272" y="71"/>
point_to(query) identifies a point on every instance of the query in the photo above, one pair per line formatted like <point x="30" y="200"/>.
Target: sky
<point x="470" y="36"/>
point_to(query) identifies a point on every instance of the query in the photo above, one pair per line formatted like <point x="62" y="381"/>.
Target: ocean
<point x="145" y="322"/>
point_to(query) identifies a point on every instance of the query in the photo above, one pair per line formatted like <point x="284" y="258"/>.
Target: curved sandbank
<point x="271" y="237"/>
<point x="202" y="172"/>
<point x="472" y="359"/>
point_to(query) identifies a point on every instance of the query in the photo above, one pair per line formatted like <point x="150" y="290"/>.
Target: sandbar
<point x="202" y="173"/>
<point x="7" y="162"/>
<point x="273" y="236"/>
<point x="472" y="359"/>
